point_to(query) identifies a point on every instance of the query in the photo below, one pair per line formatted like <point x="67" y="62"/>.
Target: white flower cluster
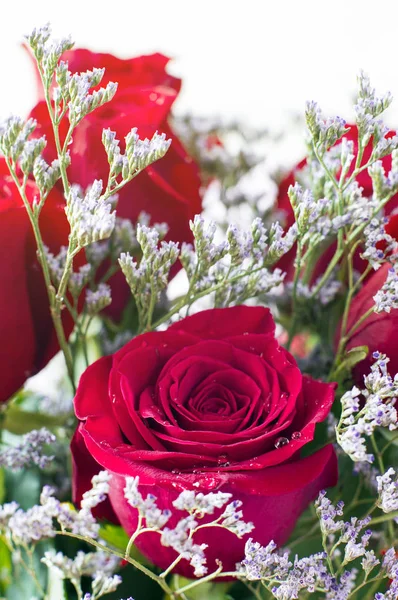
<point x="37" y="523"/>
<point x="90" y="216"/>
<point x="384" y="186"/>
<point x="378" y="410"/>
<point x="47" y="52"/>
<point x="390" y="566"/>
<point x="29" y="451"/>
<point x="46" y="175"/>
<point x="286" y="579"/>
<point x="348" y="531"/>
<point x="97" y="300"/>
<point x="72" y="90"/>
<point x="14" y="144"/>
<point x="315" y="218"/>
<point x="367" y="109"/>
<point x="387" y="297"/>
<point x="243" y="274"/>
<point x="139" y="153"/>
<point x="387" y="487"/>
<point x="326" y="294"/>
<point x="75" y="91"/>
<point x="375" y="235"/>
<point x="100" y="566"/>
<point x="180" y="538"/>
<point x="154" y="517"/>
<point x="149" y="278"/>
<point x="324" y="132"/>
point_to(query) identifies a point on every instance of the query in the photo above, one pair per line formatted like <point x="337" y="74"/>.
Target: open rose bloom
<point x="212" y="403"/>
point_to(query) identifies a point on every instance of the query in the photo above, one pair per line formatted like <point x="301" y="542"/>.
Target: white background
<point x="258" y="60"/>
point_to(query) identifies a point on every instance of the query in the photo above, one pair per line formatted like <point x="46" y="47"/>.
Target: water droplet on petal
<point x="176" y="472"/>
<point x="296" y="435"/>
<point x="113" y="398"/>
<point x="281" y="441"/>
<point x="223" y="461"/>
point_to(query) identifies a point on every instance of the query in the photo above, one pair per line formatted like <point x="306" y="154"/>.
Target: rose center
<point x="213" y="399"/>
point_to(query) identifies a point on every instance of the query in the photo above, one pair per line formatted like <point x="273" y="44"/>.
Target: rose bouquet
<point x="219" y="419"/>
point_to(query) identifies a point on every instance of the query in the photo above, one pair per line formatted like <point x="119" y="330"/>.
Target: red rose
<point x="364" y="180"/>
<point x="168" y="190"/>
<point x="378" y="332"/>
<point x="26" y="331"/>
<point x="212" y="403"/>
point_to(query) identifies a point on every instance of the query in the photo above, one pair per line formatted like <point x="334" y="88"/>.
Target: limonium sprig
<point x="29" y="451"/>
<point x="91" y="213"/>
<point x="323" y="572"/>
<point x="328" y="205"/>
<point x="22" y="530"/>
<point x="364" y="410"/>
<point x="234" y="270"/>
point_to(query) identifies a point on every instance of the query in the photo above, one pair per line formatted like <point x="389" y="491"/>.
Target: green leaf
<point x="204" y="591"/>
<point x="5" y="567"/>
<point x="116" y="536"/>
<point x="19" y="421"/>
<point x="351" y="358"/>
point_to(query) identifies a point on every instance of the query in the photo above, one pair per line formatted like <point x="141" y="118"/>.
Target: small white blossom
<point x="154" y="517"/>
<point x="378" y="411"/>
<point x="97" y="300"/>
<point x="387" y="487"/>
<point x="90" y="217"/>
<point x="29" y="451"/>
<point x="386" y="298"/>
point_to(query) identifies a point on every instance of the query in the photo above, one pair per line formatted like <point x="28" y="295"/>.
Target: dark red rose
<point x="27" y="336"/>
<point x="378" y="332"/>
<point x="169" y="190"/>
<point x="364" y="180"/>
<point x="212" y="403"/>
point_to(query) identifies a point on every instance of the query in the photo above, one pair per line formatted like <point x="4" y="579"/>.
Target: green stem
<point x="194" y="584"/>
<point x="361" y="320"/>
<point x="55" y="313"/>
<point x="351" y="595"/>
<point x="122" y="556"/>
<point x="133" y="537"/>
<point x="385" y="518"/>
<point x="292" y="331"/>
